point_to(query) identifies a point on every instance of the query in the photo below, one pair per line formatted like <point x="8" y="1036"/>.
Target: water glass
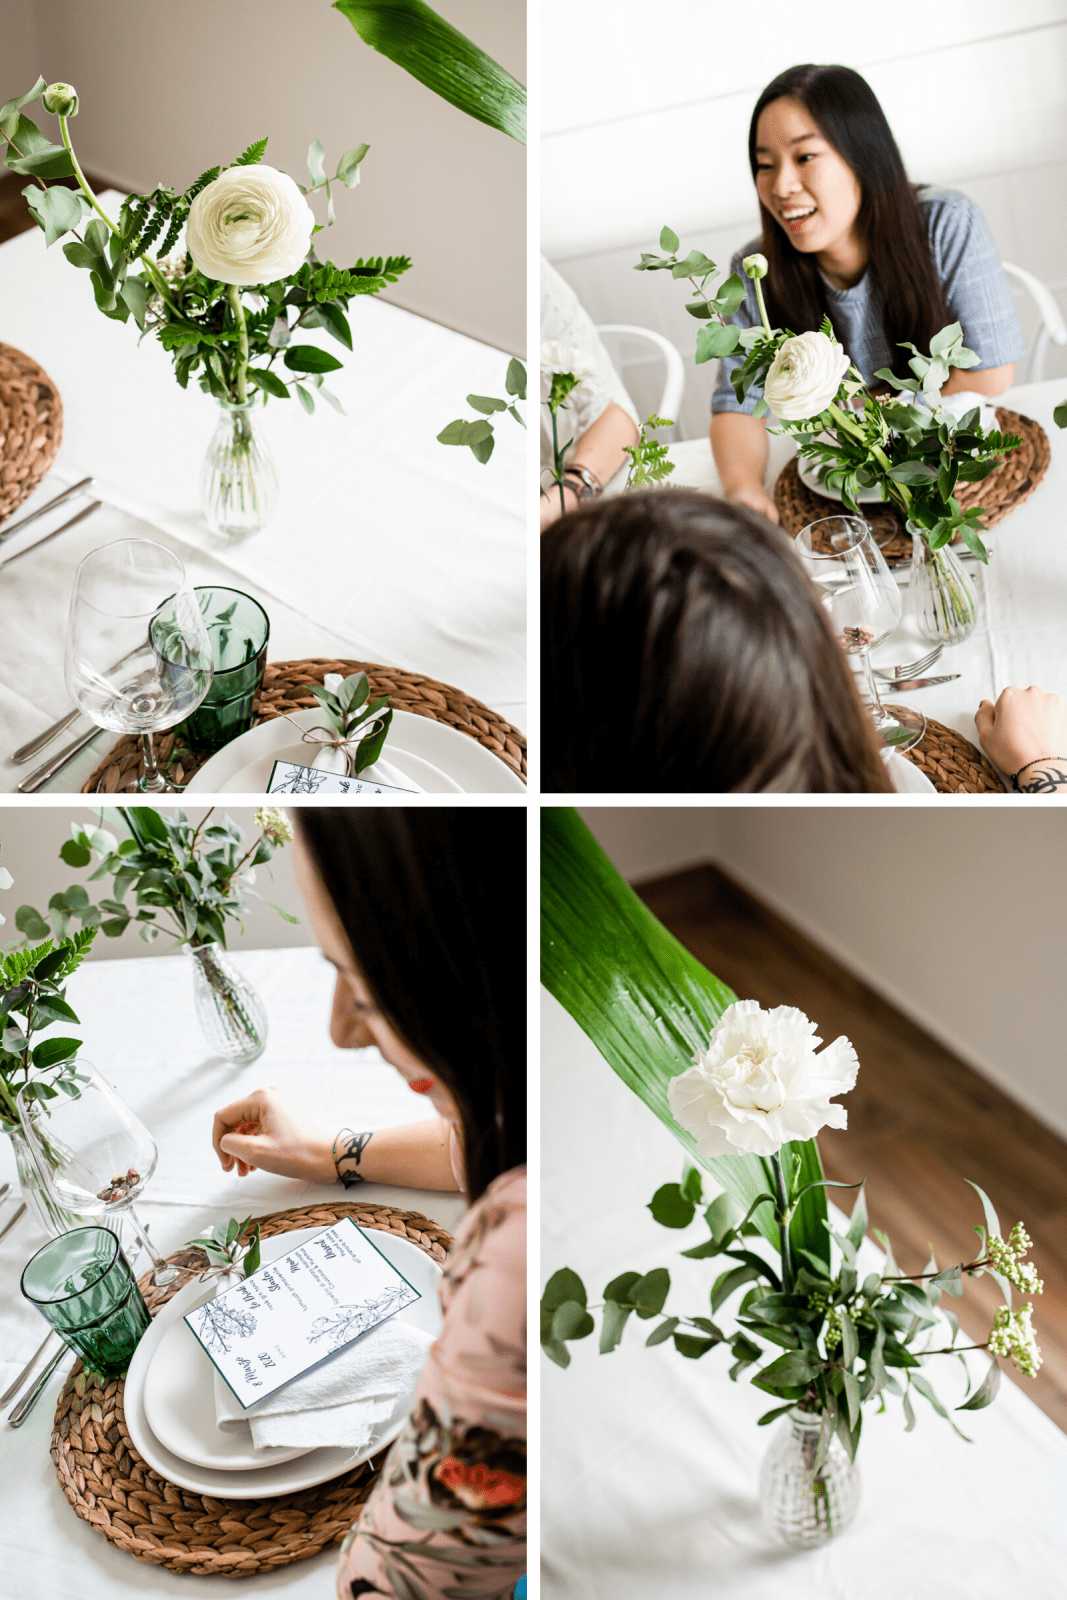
<point x="238" y="629"/>
<point x="82" y="1283"/>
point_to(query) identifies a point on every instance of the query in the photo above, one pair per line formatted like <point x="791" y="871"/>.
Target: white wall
<point x="976" y="93"/>
<point x="169" y="90"/>
<point x="952" y="913"/>
<point x="30" y="840"/>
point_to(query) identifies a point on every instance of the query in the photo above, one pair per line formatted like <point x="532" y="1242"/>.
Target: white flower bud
<point x="755" y="266"/>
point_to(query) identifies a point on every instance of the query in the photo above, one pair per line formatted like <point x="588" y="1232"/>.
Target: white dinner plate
<point x="906" y="777"/>
<point x="289" y="1470"/>
<point x="437" y="757"/>
<point x="809" y="476"/>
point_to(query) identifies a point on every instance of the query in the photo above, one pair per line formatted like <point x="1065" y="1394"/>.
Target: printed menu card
<point x="288" y="1316"/>
<point x="287" y="778"/>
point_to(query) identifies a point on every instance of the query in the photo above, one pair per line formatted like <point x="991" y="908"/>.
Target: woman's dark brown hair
<point x="846" y="112"/>
<point x="684" y="650"/>
<point x="433" y="902"/>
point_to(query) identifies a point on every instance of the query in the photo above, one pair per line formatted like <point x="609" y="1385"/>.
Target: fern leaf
<point x="254" y="153"/>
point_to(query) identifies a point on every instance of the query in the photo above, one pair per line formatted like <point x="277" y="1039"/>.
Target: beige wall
<point x="30" y="839"/>
<point x="953" y="913"/>
<point x="167" y="91"/>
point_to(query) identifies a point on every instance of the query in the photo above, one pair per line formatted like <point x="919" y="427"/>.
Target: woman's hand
<point x="266" y="1129"/>
<point x="756" y="497"/>
<point x="1024" y="726"/>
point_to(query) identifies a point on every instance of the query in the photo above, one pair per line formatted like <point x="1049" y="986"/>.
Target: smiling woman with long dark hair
<point x="847" y="236"/>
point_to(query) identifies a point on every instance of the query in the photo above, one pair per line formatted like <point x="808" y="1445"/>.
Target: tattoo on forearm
<point x="1045" y="780"/>
<point x="348" y="1151"/>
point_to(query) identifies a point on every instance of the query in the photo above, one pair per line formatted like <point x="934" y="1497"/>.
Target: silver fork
<point x="910" y="669"/>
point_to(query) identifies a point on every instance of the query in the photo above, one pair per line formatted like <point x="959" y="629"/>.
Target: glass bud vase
<point x="230" y="1012"/>
<point x="238" y="484"/>
<point x="807" y="1508"/>
<point x="943" y="597"/>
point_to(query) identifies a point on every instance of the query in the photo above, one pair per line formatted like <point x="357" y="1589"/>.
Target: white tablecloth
<point x="140" y="1031"/>
<point x="387" y="546"/>
<point x="1021" y="637"/>
<point x="650" y="1461"/>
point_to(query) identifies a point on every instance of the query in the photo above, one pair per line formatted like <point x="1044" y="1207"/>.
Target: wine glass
<point x="92" y="1153"/>
<point x="862" y="597"/>
<point x="138" y="657"/>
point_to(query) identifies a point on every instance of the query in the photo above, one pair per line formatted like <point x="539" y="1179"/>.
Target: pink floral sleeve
<point x="447" y="1518"/>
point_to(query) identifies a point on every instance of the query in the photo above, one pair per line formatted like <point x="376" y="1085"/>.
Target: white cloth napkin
<point x="343" y="1401"/>
<point x="332" y="759"/>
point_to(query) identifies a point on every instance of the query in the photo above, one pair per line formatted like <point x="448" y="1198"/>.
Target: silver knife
<point x="33" y="747"/>
<point x="75" y="488"/>
<point x="18" y="1414"/>
<point x="14" y="1388"/>
<point x="36" y="779"/>
<point x="55" y="535"/>
<point x="6" y="1229"/>
<point x="916" y="683"/>
<point x="4" y="1187"/>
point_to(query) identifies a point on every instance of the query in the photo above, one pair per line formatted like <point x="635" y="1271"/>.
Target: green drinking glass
<point x="82" y="1283"/>
<point x="238" y="629"/>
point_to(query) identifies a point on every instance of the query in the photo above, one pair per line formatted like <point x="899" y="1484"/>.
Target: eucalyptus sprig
<point x="186" y="879"/>
<point x="719" y="337"/>
<point x="226" y="1247"/>
<point x="650" y="461"/>
<point x="478" y="435"/>
<point x="836" y="1340"/>
<point x="347" y="710"/>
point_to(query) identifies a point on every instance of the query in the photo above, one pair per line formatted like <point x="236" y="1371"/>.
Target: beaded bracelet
<point x="1034" y="763"/>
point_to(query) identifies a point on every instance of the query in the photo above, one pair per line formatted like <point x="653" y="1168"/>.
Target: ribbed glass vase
<point x="807" y="1508"/>
<point x="229" y="1010"/>
<point x="238" y="483"/>
<point x="943" y="597"/>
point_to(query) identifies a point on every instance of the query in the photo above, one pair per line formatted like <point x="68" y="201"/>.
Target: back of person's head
<point x="685" y="650"/>
<point x="848" y="114"/>
<point x="433" y="904"/>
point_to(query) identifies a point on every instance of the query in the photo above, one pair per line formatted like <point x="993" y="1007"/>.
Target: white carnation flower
<point x="760" y="1082"/>
<point x="251" y="225"/>
<point x="805" y="376"/>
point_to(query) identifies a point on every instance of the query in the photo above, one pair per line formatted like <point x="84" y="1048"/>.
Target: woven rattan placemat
<point x="952" y="763"/>
<point x="31" y="426"/>
<point x="284" y="690"/>
<point x="116" y="1492"/>
<point x="1013" y="482"/>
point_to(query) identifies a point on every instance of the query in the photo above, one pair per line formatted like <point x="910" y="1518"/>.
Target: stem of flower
<point x="150" y="266"/>
<point x="762" y="307"/>
<point x="558" y="460"/>
<point x="783" y="1216"/>
<point x="233" y="295"/>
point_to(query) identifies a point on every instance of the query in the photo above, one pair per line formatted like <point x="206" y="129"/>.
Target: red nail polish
<point x="421" y="1085"/>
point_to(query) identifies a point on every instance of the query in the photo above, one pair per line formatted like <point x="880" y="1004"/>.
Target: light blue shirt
<point x="976" y="292"/>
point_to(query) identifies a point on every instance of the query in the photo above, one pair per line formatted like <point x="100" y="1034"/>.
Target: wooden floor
<point x="920" y="1121"/>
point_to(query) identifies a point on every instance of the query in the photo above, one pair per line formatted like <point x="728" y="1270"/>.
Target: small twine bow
<point x="347" y="743"/>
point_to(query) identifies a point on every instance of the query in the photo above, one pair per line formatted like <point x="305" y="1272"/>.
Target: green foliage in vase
<point x="650" y="460"/>
<point x="916" y="454"/>
<point x="234" y="347"/>
<point x="186" y="880"/>
<point x="227" y="1246"/>
<point x="32" y="999"/>
<point x="347" y="711"/>
<point x="478" y="435"/>
<point x="822" y="1334"/>
<point x="841" y="1336"/>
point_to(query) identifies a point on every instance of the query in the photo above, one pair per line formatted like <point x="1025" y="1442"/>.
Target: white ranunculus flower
<point x="760" y="1082"/>
<point x="805" y="376"/>
<point x="251" y="225"/>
